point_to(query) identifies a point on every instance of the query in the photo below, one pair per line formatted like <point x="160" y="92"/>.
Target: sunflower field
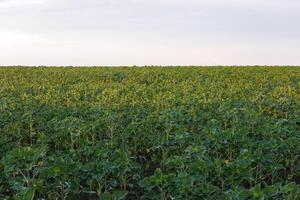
<point x="149" y="133"/>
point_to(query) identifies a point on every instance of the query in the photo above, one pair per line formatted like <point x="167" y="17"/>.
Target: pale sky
<point x="149" y="32"/>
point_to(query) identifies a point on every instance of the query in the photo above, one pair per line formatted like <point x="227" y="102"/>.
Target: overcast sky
<point x="149" y="32"/>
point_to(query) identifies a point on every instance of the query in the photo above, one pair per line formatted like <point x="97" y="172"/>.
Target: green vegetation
<point x="150" y="133"/>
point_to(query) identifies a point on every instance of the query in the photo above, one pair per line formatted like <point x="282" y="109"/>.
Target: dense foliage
<point x="150" y="133"/>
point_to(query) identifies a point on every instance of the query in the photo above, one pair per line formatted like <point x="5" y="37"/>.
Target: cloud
<point x="13" y="4"/>
<point x="125" y="30"/>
